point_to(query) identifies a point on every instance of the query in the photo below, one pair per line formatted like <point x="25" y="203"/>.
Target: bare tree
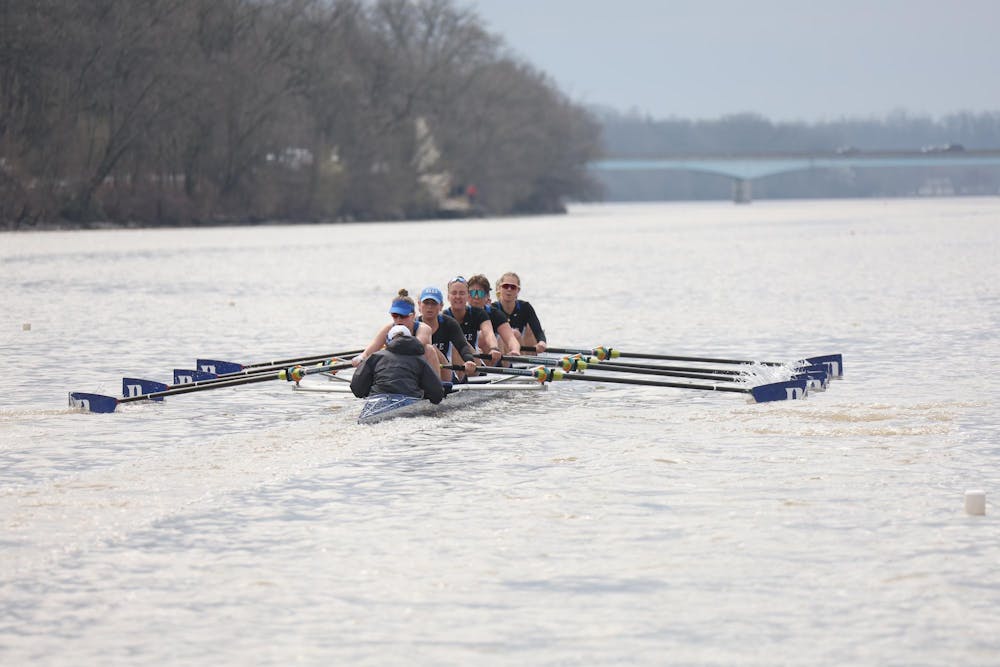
<point x="166" y="111"/>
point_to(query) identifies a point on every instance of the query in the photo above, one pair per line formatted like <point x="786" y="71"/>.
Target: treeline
<point x="635" y="135"/>
<point x="202" y="111"/>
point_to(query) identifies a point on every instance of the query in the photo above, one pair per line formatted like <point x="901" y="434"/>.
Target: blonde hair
<point x="512" y="275"/>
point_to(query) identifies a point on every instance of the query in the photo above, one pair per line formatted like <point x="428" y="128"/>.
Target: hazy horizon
<point x="785" y="60"/>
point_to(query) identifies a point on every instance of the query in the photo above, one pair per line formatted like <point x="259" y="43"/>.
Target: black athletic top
<point x="524" y="315"/>
<point x="449" y="333"/>
<point x="474" y="317"/>
<point x="497" y="316"/>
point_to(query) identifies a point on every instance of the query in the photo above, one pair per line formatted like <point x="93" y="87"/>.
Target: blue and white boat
<point x="380" y="407"/>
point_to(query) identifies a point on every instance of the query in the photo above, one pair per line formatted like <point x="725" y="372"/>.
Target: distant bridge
<point x="743" y="169"/>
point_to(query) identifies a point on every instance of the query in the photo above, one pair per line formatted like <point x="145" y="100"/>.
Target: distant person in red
<point x="472" y="192"/>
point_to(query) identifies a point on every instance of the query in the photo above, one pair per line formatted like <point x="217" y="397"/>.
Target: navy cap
<point x="432" y="293"/>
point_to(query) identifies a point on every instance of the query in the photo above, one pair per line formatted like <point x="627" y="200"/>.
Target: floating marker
<point x="975" y="503"/>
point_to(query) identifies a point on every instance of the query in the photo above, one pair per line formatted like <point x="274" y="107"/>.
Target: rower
<point x="475" y="322"/>
<point x="446" y="334"/>
<point x="398" y="369"/>
<point x="479" y="296"/>
<point x="402" y="311"/>
<point x="520" y="314"/>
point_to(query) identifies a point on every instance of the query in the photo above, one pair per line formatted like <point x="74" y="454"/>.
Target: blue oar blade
<point x="218" y="367"/>
<point x="817" y="375"/>
<point x="92" y="402"/>
<point x="137" y="386"/>
<point x="182" y="376"/>
<point x="834" y="364"/>
<point x="780" y="391"/>
<point x="817" y="380"/>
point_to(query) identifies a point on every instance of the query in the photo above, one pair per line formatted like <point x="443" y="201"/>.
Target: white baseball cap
<point x="398" y="330"/>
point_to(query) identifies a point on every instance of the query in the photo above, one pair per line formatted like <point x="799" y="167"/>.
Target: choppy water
<point x="591" y="524"/>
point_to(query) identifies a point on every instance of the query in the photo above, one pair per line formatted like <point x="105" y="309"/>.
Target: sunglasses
<point x="457" y="279"/>
<point x="510" y="286"/>
<point x="478" y="293"/>
<point x="397" y="316"/>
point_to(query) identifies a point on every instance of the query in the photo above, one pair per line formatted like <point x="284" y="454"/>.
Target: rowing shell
<point x="380" y="407"/>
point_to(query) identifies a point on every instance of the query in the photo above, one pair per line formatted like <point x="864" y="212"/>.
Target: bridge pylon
<point x="742" y="191"/>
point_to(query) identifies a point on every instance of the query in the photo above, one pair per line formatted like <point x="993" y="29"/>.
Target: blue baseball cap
<point x="432" y="293"/>
<point x="401" y="307"/>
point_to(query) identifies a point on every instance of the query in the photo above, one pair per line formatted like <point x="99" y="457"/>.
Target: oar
<point x="582" y="364"/>
<point x="590" y="361"/>
<point x="229" y="367"/>
<point x="816" y="375"/>
<point x="182" y="378"/>
<point x="777" y="391"/>
<point x="834" y="362"/>
<point x="101" y="403"/>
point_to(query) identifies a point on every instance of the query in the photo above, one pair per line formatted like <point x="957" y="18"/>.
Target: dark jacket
<point x="398" y="369"/>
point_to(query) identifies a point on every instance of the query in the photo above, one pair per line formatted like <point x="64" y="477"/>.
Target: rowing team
<point x="452" y="336"/>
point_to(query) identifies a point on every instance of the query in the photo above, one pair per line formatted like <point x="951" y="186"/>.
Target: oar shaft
<point x="270" y="369"/>
<point x="283" y="374"/>
<point x="595" y="365"/>
<point x="200" y="386"/>
<point x="776" y="391"/>
<point x="302" y="360"/>
<point x="657" y="367"/>
<point x="557" y="374"/>
<point x="657" y="383"/>
<point x="222" y="368"/>
<point x="649" y="355"/>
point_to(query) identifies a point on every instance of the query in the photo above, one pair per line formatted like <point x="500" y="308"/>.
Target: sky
<point x="790" y="60"/>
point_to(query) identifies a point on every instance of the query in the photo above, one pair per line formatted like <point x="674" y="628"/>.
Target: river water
<point x="590" y="524"/>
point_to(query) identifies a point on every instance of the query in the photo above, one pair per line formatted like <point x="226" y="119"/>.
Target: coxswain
<point x="398" y="369"/>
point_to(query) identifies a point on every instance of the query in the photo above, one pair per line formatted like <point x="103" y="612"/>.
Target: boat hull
<point x="380" y="407"/>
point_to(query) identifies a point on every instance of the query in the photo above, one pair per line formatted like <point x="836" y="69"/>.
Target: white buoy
<point x="26" y="326"/>
<point x="975" y="502"/>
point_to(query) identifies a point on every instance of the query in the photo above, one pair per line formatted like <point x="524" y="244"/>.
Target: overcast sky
<point x="785" y="59"/>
